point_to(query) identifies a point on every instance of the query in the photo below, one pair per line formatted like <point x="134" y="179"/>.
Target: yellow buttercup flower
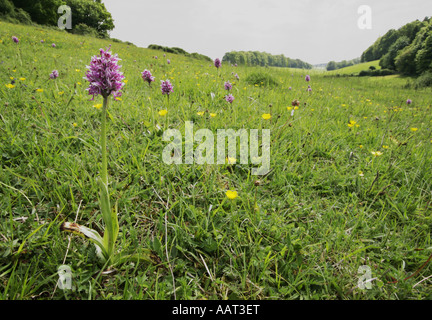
<point x="351" y="123"/>
<point x="289" y="108"/>
<point x="231" y="194"/>
<point x="22" y="79"/>
<point x="200" y="113"/>
<point x="39" y="90"/>
<point x="97" y="106"/>
<point x="231" y="160"/>
<point x="266" y="116"/>
<point x="163" y="112"/>
<point x="414" y="129"/>
<point x="385" y="147"/>
<point x="10" y="86"/>
<point x="60" y="93"/>
<point x="213" y="115"/>
<point x="75" y="124"/>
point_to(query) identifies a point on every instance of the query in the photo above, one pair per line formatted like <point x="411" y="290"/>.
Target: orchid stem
<point x="104" y="171"/>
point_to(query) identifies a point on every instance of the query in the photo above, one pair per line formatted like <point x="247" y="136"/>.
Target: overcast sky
<point x="315" y="31"/>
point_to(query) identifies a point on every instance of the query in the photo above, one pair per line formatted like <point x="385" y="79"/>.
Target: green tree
<point x="331" y="66"/>
<point x="256" y="58"/>
<point x="6" y="7"/>
<point x="406" y="60"/>
<point x="368" y="54"/>
<point x="383" y="44"/>
<point x="388" y="60"/>
<point x="91" y="13"/>
<point x="423" y="59"/>
<point x="42" y="11"/>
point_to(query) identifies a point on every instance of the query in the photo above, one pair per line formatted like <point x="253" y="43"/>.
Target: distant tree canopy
<point x="255" y="58"/>
<point x="181" y="51"/>
<point x="89" y="13"/>
<point x="12" y="14"/>
<point x="382" y="45"/>
<point x="332" y="65"/>
<point x="407" y="50"/>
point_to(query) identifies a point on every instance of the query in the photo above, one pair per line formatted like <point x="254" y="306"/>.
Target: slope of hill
<point x="356" y="69"/>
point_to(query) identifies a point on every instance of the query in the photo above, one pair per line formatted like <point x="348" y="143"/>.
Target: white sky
<point x="315" y="31"/>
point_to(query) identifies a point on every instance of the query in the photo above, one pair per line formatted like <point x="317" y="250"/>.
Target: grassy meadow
<point x="350" y="182"/>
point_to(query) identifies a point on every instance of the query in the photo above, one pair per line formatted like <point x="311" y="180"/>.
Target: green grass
<point x="357" y="68"/>
<point x="328" y="206"/>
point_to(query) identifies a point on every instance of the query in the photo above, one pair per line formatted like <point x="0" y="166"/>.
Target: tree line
<point x="407" y="50"/>
<point x="264" y="59"/>
<point x="176" y="50"/>
<point x="333" y="65"/>
<point x="88" y="16"/>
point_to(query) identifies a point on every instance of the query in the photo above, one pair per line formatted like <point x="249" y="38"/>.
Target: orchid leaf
<point x="87" y="233"/>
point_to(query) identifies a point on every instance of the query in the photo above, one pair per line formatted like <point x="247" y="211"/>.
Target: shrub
<point x="425" y="80"/>
<point x="199" y="56"/>
<point x="6" y="7"/>
<point x="376" y="73"/>
<point x="84" y="30"/>
<point x="176" y="50"/>
<point x="22" y="16"/>
<point x="9" y="13"/>
<point x="261" y="79"/>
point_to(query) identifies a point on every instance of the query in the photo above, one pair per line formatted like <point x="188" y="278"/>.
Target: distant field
<point x="355" y="69"/>
<point x="350" y="186"/>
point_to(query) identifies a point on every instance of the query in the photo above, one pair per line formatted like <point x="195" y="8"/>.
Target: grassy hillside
<point x="350" y="182"/>
<point x="357" y="68"/>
